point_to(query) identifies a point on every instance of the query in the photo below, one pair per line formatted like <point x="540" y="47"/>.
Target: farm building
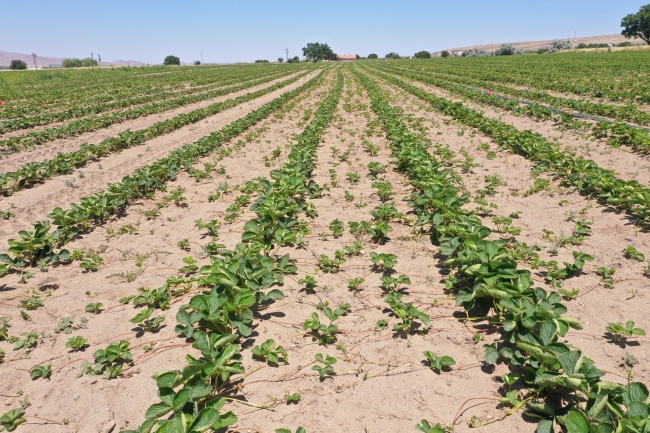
<point x="457" y="53"/>
<point x="347" y="57"/>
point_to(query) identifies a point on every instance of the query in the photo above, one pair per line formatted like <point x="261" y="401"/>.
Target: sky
<point x="247" y="30"/>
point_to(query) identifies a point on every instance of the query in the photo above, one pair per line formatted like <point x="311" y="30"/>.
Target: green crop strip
<point x="39" y="245"/>
<point x="583" y="174"/>
<point x="619" y="133"/>
<point x="26" y="122"/>
<point x="63" y="163"/>
<point x="216" y="320"/>
<point x="14" y="144"/>
<point x="564" y="387"/>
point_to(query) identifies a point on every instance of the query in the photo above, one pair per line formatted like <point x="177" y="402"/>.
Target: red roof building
<point x="348" y="57"/>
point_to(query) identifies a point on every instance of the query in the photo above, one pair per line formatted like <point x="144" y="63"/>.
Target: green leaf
<point x="157" y="410"/>
<point x="547" y="332"/>
<point x="576" y="423"/>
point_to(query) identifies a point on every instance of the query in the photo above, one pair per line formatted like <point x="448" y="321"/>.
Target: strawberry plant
<point x="376" y="169"/>
<point x="4" y="328"/>
<point x="427" y="427"/>
<point x="76" y="343"/>
<point x="337" y="227"/>
<point x="286" y="430"/>
<point x="632" y="253"/>
<point x="28" y="342"/>
<point x="438" y="363"/>
<point x="354" y="179"/>
<point x="111" y="360"/>
<point x="394" y="284"/>
<point x="44" y="371"/>
<point x="606" y="276"/>
<point x="92" y="263"/>
<point x="293" y="398"/>
<point x="309" y="282"/>
<point x="269" y="352"/>
<point x="384" y="190"/>
<point x="330" y="266"/>
<point x="406" y="312"/>
<point x="12" y="419"/>
<point x="384" y="261"/>
<point x="94" y="307"/>
<point x="355" y="283"/>
<point x="325" y="369"/>
<point x="324" y="334"/>
<point x="620" y="332"/>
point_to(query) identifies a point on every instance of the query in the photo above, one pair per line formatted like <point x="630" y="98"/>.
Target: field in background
<point x="361" y="247"/>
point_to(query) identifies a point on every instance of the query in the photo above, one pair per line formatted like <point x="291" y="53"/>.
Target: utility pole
<point x="287" y="50"/>
<point x="99" y="60"/>
<point x="201" y="57"/>
<point x="34" y="56"/>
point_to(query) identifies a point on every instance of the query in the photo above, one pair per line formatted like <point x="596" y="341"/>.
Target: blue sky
<point x="246" y="30"/>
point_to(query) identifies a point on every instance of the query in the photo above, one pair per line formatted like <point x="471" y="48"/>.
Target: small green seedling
<point x="286" y="430"/>
<point x="12" y="419"/>
<point x="28" y="342"/>
<point x="309" y="282"/>
<point x="568" y="294"/>
<point x="438" y="363"/>
<point x="355" y="283"/>
<point x="183" y="244"/>
<point x="629" y="360"/>
<point x="44" y="371"/>
<point x="337" y="227"/>
<point x="31" y="303"/>
<point x="94" y="307"/>
<point x="64" y="325"/>
<point x="393" y="284"/>
<point x="269" y="352"/>
<point x="293" y="398"/>
<point x="326" y="368"/>
<point x="631" y="253"/>
<point x="427" y="427"/>
<point x="92" y="263"/>
<point x="111" y="360"/>
<point x="606" y="276"/>
<point x="620" y="332"/>
<point x="383" y="261"/>
<point x="381" y="324"/>
<point x="76" y="343"/>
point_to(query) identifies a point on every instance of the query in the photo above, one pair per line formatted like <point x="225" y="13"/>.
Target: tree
<point x="316" y="51"/>
<point x="393" y="56"/>
<point x="637" y="25"/>
<point x="445" y="53"/>
<point x="79" y="63"/>
<point x="18" y="64"/>
<point x="197" y="62"/>
<point x="507" y="50"/>
<point x="280" y="60"/>
<point x="295" y="59"/>
<point x="422" y="55"/>
<point x="373" y="56"/>
<point x="261" y="61"/>
<point x="172" y="60"/>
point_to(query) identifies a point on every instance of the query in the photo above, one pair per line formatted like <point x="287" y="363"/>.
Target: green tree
<point x="445" y="53"/>
<point x="422" y="55"/>
<point x="316" y="51"/>
<point x="393" y="56"/>
<point x="79" y="63"/>
<point x="373" y="56"/>
<point x="637" y="25"/>
<point x="172" y="60"/>
<point x="280" y="60"/>
<point x="197" y="62"/>
<point x="261" y="61"/>
<point x="18" y="64"/>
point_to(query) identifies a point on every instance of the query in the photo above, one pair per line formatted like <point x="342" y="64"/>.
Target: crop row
<point x="614" y="76"/>
<point x="564" y="387"/>
<point x="26" y="122"/>
<point x="39" y="245"/>
<point x="620" y="112"/>
<point x="617" y="133"/>
<point x="13" y="144"/>
<point x="583" y="174"/>
<point x="61" y="94"/>
<point x="63" y="163"/>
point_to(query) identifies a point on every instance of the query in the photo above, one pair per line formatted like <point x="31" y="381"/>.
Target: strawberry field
<point x="415" y="245"/>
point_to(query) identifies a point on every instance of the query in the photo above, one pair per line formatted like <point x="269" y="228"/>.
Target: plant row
<point x="234" y="289"/>
<point x="27" y="122"/>
<point x="583" y="174"/>
<point x="616" y="133"/>
<point x="563" y="387"/>
<point x="40" y="245"/>
<point x="74" y="128"/>
<point x="63" y="163"/>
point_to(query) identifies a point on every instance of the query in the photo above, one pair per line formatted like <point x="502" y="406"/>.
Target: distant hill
<point x="6" y="58"/>
<point x="534" y="45"/>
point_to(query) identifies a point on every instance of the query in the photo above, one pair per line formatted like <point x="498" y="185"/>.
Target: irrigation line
<point x="556" y="110"/>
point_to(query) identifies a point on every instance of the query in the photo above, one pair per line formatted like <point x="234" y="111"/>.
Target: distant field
<point x="358" y="247"/>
